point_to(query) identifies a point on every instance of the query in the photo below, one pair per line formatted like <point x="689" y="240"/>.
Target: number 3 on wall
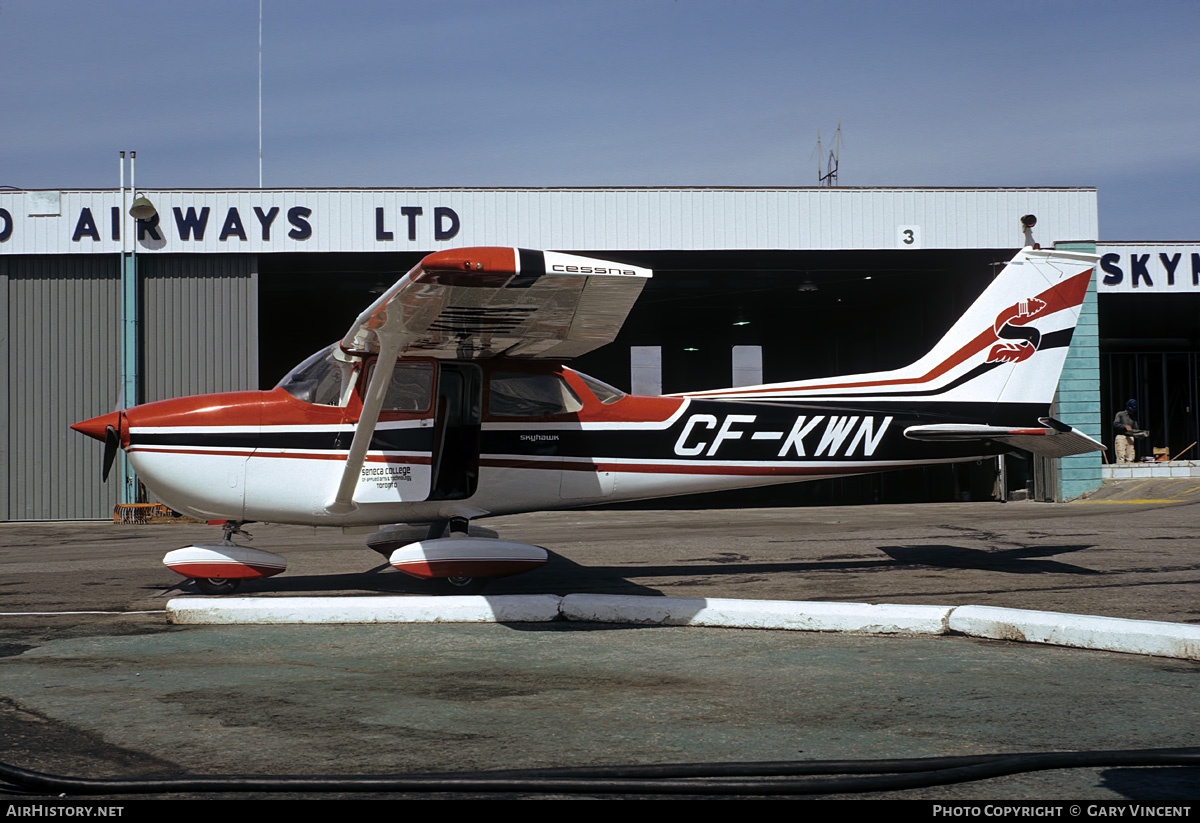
<point x="908" y="237"/>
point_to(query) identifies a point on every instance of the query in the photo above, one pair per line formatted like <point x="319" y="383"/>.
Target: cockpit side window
<point x="411" y="387"/>
<point x="514" y="394"/>
<point x="319" y="379"/>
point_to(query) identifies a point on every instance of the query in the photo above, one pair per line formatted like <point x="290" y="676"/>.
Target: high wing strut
<point x="381" y="376"/>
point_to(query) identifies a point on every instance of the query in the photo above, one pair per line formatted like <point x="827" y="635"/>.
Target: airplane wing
<point x="1053" y="439"/>
<point x="475" y="303"/>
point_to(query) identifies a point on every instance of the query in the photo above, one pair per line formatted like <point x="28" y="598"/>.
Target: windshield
<point x="319" y="379"/>
<point x="605" y="393"/>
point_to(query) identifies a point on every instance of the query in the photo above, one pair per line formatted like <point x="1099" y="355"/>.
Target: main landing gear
<point x="460" y="527"/>
<point x="455" y="556"/>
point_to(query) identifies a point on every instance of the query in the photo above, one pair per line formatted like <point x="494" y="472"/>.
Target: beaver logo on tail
<point x="1010" y="326"/>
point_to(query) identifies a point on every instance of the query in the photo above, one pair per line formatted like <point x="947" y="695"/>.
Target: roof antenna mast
<point x="827" y="176"/>
<point x="260" y="5"/>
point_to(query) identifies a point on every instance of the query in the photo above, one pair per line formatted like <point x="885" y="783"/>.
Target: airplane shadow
<point x="1008" y="561"/>
<point x="563" y="576"/>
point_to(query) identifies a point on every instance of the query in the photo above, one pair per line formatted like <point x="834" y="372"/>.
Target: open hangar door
<point x="1150" y="352"/>
<point x="813" y="313"/>
<point x="307" y="301"/>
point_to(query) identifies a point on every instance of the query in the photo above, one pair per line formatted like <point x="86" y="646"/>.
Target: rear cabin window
<point x="512" y="394"/>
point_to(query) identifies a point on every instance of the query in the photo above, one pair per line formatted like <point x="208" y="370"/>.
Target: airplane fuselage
<point x="269" y="456"/>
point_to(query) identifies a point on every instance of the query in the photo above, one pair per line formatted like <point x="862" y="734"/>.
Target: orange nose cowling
<point x="97" y="426"/>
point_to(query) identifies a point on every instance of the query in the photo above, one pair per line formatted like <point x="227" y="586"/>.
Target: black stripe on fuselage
<point x="709" y="430"/>
<point x="724" y="430"/>
<point x="415" y="439"/>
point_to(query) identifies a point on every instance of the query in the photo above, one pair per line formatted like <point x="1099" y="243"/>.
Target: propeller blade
<point x="112" y="443"/>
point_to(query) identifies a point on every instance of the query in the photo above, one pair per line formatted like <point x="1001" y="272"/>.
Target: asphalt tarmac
<point x="94" y="681"/>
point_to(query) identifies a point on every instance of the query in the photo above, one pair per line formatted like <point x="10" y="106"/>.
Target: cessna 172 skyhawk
<point x="447" y="401"/>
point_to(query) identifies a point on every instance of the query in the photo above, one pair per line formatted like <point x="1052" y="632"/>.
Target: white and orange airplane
<point x="447" y="401"/>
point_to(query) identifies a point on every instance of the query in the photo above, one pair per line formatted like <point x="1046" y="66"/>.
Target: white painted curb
<point x="533" y="608"/>
<point x="1113" y="634"/>
<point x="1178" y="640"/>
<point x="860" y="618"/>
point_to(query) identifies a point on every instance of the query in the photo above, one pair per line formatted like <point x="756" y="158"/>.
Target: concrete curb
<point x="533" y="608"/>
<point x="863" y="618"/>
<point x="1147" y="637"/>
<point x="1081" y="631"/>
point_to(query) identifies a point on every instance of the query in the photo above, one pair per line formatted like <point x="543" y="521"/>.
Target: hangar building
<point x="233" y="287"/>
<point x="1149" y="304"/>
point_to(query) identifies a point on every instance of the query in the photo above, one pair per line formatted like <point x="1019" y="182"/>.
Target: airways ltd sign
<point x="1153" y="268"/>
<point x="82" y="222"/>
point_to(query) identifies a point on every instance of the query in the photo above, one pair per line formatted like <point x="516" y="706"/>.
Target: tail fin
<point x="1007" y="348"/>
<point x="1010" y="345"/>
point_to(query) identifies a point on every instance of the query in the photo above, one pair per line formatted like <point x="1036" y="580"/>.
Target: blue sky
<point x="613" y="92"/>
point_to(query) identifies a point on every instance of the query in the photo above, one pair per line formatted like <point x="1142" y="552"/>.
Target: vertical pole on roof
<point x="260" y="93"/>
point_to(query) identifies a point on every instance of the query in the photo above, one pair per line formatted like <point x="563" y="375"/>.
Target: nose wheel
<point x="217" y="585"/>
<point x="220" y="568"/>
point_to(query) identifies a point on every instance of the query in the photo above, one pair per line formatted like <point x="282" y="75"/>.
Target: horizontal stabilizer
<point x="1051" y="439"/>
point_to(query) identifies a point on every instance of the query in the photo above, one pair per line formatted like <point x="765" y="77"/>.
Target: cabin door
<point x="456" y="431"/>
<point x="398" y="468"/>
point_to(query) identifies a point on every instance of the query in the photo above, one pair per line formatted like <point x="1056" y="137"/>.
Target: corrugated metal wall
<point x="60" y="360"/>
<point x="200" y="324"/>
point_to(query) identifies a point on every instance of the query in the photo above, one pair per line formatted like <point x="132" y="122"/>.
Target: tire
<point x="460" y="585"/>
<point x="217" y="585"/>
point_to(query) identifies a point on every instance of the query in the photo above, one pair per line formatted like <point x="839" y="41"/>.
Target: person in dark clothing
<point x="1125" y="429"/>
